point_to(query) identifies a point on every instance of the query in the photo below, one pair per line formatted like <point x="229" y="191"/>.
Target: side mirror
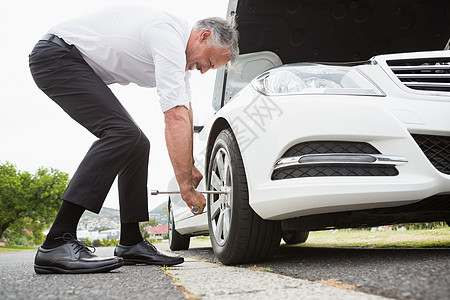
<point x="198" y="128"/>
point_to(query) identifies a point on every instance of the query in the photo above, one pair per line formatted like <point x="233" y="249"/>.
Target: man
<point x="73" y="64"/>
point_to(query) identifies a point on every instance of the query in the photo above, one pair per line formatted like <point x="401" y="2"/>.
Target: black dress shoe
<point x="145" y="253"/>
<point x="73" y="258"/>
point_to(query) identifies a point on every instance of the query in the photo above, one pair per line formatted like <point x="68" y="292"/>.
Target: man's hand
<point x="194" y="198"/>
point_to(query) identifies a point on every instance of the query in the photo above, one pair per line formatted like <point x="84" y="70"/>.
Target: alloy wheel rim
<point x="220" y="205"/>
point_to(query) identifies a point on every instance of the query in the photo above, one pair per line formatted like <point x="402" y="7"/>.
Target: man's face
<point x="203" y="57"/>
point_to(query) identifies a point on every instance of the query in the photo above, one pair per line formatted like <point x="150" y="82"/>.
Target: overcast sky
<point x="35" y="132"/>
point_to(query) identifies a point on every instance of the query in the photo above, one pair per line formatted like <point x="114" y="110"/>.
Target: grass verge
<point x="431" y="238"/>
<point x="423" y="238"/>
<point x="15" y="248"/>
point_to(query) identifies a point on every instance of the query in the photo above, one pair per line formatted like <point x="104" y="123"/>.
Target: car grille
<point x="436" y="149"/>
<point x="428" y="74"/>
<point x="332" y="147"/>
<point x="334" y="170"/>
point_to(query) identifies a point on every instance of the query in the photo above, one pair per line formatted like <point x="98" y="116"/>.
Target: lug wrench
<point x="195" y="209"/>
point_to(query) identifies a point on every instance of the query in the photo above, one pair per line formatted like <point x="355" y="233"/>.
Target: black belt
<point x="55" y="39"/>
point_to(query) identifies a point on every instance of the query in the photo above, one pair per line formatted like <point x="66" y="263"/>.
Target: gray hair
<point x="224" y="34"/>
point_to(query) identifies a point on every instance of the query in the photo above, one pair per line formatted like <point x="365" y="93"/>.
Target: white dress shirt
<point x="134" y="44"/>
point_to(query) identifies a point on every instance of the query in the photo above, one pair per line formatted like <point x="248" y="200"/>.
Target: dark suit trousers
<point x="121" y="150"/>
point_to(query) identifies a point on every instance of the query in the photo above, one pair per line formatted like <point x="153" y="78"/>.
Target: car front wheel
<point x="238" y="235"/>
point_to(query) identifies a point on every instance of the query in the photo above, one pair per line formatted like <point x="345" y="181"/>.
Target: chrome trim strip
<point x="420" y="67"/>
<point x="422" y="76"/>
<point x="340" y="158"/>
<point x="428" y="84"/>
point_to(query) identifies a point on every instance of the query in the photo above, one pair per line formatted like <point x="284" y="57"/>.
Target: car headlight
<point x="314" y="79"/>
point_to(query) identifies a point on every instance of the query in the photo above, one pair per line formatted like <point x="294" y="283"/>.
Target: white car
<point x="361" y="139"/>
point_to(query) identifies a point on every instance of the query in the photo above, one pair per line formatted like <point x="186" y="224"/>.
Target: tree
<point x="165" y="209"/>
<point x="143" y="226"/>
<point x="31" y="200"/>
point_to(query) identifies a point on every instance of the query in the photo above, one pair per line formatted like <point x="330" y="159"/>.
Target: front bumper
<point x="270" y="126"/>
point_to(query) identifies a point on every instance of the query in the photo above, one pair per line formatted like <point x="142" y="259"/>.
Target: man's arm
<point x="179" y="141"/>
<point x="196" y="175"/>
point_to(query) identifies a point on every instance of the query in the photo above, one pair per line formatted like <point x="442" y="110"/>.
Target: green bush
<point x="113" y="243"/>
<point x="417" y="226"/>
<point x="16" y="234"/>
<point x="28" y="201"/>
<point x="101" y="243"/>
<point x="97" y="243"/>
<point x="86" y="241"/>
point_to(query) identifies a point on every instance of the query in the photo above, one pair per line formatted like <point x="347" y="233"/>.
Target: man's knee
<point x="128" y="135"/>
<point x="144" y="143"/>
<point x="138" y="139"/>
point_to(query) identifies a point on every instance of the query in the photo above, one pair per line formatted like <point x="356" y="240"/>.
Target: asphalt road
<point x="394" y="273"/>
<point x="374" y="273"/>
<point x="19" y="281"/>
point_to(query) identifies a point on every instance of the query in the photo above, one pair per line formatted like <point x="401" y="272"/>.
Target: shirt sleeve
<point x="187" y="84"/>
<point x="167" y="48"/>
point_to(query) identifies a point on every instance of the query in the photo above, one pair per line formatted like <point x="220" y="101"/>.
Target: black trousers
<point x="121" y="150"/>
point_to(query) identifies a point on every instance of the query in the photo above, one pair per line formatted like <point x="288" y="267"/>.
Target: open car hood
<point x="340" y="30"/>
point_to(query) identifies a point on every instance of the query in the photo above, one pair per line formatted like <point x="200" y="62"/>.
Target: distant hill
<point x="109" y="218"/>
<point x="160" y="214"/>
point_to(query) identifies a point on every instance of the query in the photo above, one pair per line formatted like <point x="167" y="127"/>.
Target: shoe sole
<point x="56" y="270"/>
<point x="131" y="261"/>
